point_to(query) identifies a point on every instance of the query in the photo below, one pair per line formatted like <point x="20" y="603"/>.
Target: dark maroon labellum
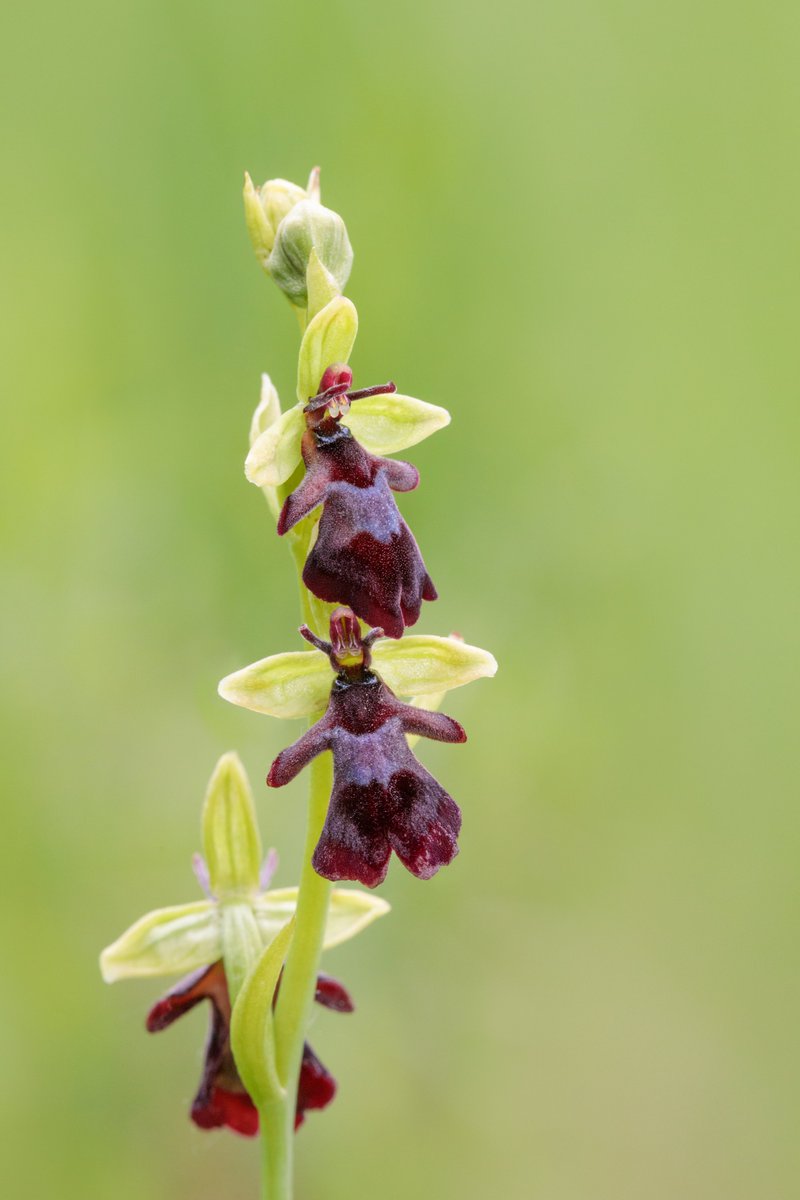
<point x="365" y="556"/>
<point x="221" y="1099"/>
<point x="383" y="799"/>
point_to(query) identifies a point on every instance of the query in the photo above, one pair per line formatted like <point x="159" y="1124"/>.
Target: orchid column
<point x="322" y="466"/>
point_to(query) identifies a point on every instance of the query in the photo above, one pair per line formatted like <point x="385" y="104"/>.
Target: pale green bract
<point x="184" y="937"/>
<point x="252" y="1021"/>
<point x="320" y="285"/>
<point x="297" y="684"/>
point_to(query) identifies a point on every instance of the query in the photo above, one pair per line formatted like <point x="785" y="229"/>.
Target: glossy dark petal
<point x="292" y="760"/>
<point x="303" y="500"/>
<point x="401" y="476"/>
<point x="434" y="725"/>
<point x="334" y="995"/>
<point x="316" y="1086"/>
<point x="224" y="1109"/>
<point x="221" y="1099"/>
<point x="208" y="983"/>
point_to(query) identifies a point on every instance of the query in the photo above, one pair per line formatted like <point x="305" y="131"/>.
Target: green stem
<point x="296" y="995"/>
<point x="298" y="984"/>
<point x="300" y="973"/>
<point x="277" y="1135"/>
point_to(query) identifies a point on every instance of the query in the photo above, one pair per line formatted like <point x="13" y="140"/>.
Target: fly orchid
<point x="369" y="693"/>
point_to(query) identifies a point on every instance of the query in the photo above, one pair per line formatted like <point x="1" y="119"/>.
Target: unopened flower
<point x="222" y="1099"/>
<point x="383" y="799"/>
<point x="364" y="556"/>
<point x="264" y="209"/>
<point x="292" y="231"/>
<point x="309" y="227"/>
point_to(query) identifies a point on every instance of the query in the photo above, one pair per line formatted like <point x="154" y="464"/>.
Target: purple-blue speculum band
<point x="365" y="556"/>
<point x="383" y="799"/>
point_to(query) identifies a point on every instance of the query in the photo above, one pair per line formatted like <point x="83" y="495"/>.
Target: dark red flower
<point x="383" y="799"/>
<point x="365" y="555"/>
<point x="221" y="1099"/>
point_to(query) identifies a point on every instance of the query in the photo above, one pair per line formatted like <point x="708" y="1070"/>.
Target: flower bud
<point x="265" y="208"/>
<point x="308" y="226"/>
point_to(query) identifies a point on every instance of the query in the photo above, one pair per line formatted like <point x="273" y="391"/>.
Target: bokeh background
<point x="576" y="226"/>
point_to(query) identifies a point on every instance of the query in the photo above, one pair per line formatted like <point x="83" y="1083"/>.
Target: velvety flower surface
<point x="383" y="799"/>
<point x="221" y="1099"/>
<point x="365" y="556"/>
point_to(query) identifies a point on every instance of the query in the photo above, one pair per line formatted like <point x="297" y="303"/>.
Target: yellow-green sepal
<point x="275" y="453"/>
<point x="420" y="664"/>
<point x="295" y="684"/>
<point x="388" y="423"/>
<point x="349" y="912"/>
<point x="231" y="840"/>
<point x="267" y="412"/>
<point x="167" y="941"/>
<point x="252" y="1025"/>
<point x="329" y="338"/>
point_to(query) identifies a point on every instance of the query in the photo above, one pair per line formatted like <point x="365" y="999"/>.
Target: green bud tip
<point x="309" y="226"/>
<point x="265" y="208"/>
<point x="231" y="841"/>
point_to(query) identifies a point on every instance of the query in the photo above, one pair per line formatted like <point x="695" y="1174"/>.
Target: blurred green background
<point x="576" y="226"/>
